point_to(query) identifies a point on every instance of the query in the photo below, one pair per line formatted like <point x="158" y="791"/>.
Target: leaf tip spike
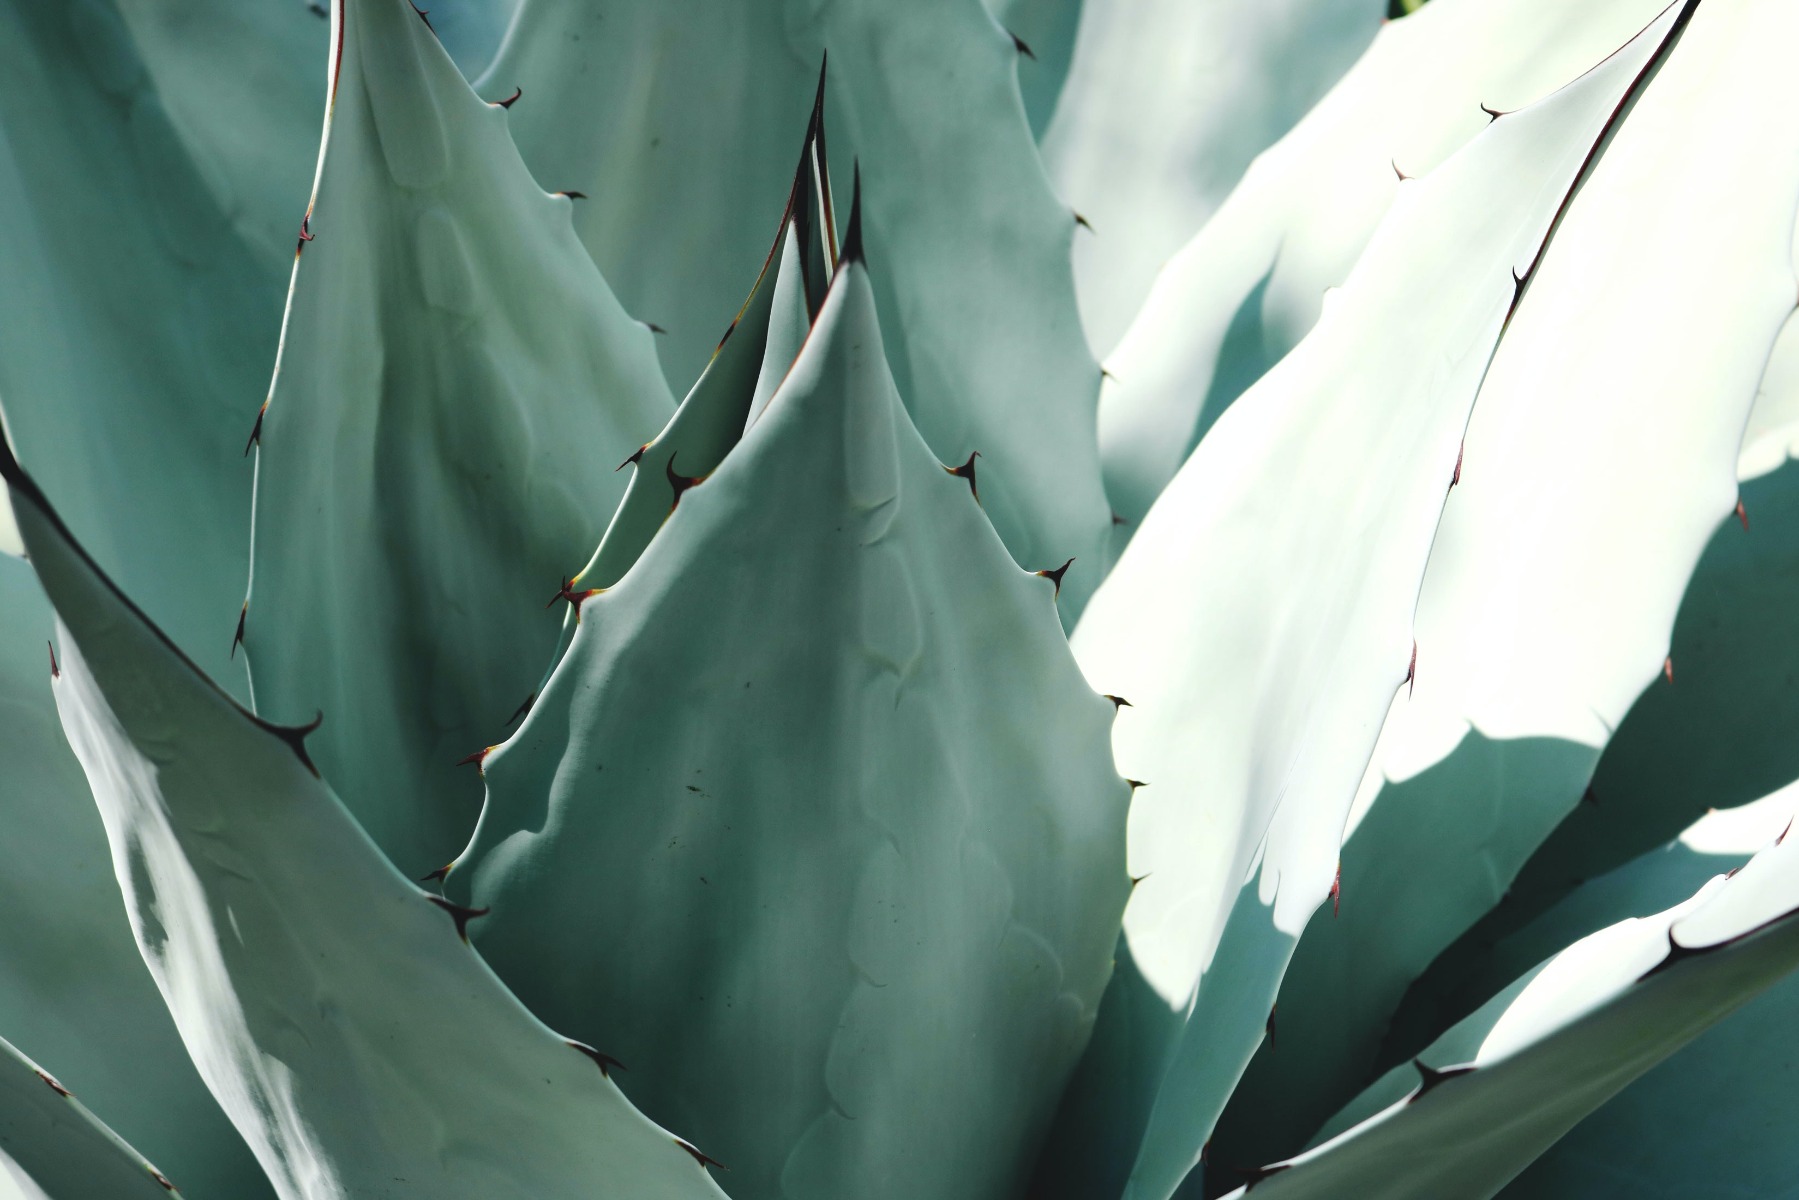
<point x="852" y="237"/>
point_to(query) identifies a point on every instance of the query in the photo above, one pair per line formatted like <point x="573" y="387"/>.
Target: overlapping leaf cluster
<point x="1424" y="552"/>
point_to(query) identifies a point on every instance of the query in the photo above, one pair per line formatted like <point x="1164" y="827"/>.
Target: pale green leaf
<point x="455" y="385"/>
<point x="821" y="769"/>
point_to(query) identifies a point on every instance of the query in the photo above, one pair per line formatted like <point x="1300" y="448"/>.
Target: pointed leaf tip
<point x="852" y="237"/>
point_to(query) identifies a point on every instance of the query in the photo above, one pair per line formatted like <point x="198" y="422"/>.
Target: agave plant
<point x="958" y="770"/>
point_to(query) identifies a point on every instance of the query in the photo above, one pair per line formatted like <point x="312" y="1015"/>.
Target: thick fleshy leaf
<point x="1721" y="731"/>
<point x="1600" y="457"/>
<point x="455" y="384"/>
<point x="1251" y="283"/>
<point x="73" y="988"/>
<point x="1713" y="1115"/>
<point x="357" y="1042"/>
<point x="1501" y="1087"/>
<point x="244" y="86"/>
<point x="1261" y="621"/>
<point x="689" y="150"/>
<point x="137" y="320"/>
<point x="1166" y="104"/>
<point x="53" y="1148"/>
<point x="867" y="865"/>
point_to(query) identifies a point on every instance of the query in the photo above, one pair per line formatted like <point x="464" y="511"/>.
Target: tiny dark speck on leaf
<point x="691" y="788"/>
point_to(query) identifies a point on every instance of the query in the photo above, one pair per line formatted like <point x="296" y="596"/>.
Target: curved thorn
<point x="1411" y="671"/>
<point x="1119" y="702"/>
<point x="1337" y="891"/>
<point x="256" y="430"/>
<point x="966" y="471"/>
<point x="636" y="457"/>
<point x="237" y="638"/>
<point x="461" y="914"/>
<point x="654" y="328"/>
<point x="1055" y="576"/>
<point x="571" y="195"/>
<point x="55" y="670"/>
<point x="1022" y="46"/>
<point x="1431" y="1077"/>
<point x="607" y="1063"/>
<point x="1493" y="114"/>
<point x="680" y="483"/>
<point x="1136" y="783"/>
<point x="1083" y="222"/>
<point x="54" y="1084"/>
<point x="1668" y="668"/>
<point x="439" y="875"/>
<point x="525" y="708"/>
<point x="699" y="1156"/>
<point x="509" y="101"/>
<point x="1743" y="515"/>
<point x="475" y="759"/>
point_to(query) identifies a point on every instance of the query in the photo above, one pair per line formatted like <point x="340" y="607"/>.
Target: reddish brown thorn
<point x="1493" y="114"/>
<point x="1431" y="1077"/>
<point x="1459" y="451"/>
<point x="475" y="759"/>
<point x="306" y="228"/>
<point x="1136" y="783"/>
<point x="458" y="913"/>
<point x="439" y="875"/>
<point x="1743" y="516"/>
<point x="256" y="430"/>
<point x="1020" y="45"/>
<point x="636" y="457"/>
<point x="237" y="639"/>
<point x="655" y="328"/>
<point x="56" y="1087"/>
<point x="162" y="1179"/>
<point x="1337" y="892"/>
<point x="524" y="708"/>
<point x="1137" y="879"/>
<point x="1055" y="576"/>
<point x="606" y="1062"/>
<point x="680" y="483"/>
<point x="1402" y="175"/>
<point x="966" y="471"/>
<point x="425" y="16"/>
<point x="55" y="671"/>
<point x="1083" y="222"/>
<point x="1411" y="670"/>
<point x="1668" y="668"/>
<point x="1268" y="1028"/>
<point x="509" y="101"/>
<point x="1119" y="702"/>
<point x="700" y="1156"/>
<point x="567" y="592"/>
<point x="1784" y="832"/>
<point x="571" y="195"/>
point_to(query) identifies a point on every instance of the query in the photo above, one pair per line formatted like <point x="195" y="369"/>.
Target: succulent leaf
<point x="53" y="1148"/>
<point x="818" y="842"/>
<point x="1511" y="1079"/>
<point x="973" y="276"/>
<point x="357" y="1042"/>
<point x="1711" y="1112"/>
<point x="1261" y="639"/>
<point x="1563" y="552"/>
<point x="1166" y="104"/>
<point x="1252" y="282"/>
<point x="137" y="314"/>
<point x="73" y="989"/>
<point x="454" y="373"/>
